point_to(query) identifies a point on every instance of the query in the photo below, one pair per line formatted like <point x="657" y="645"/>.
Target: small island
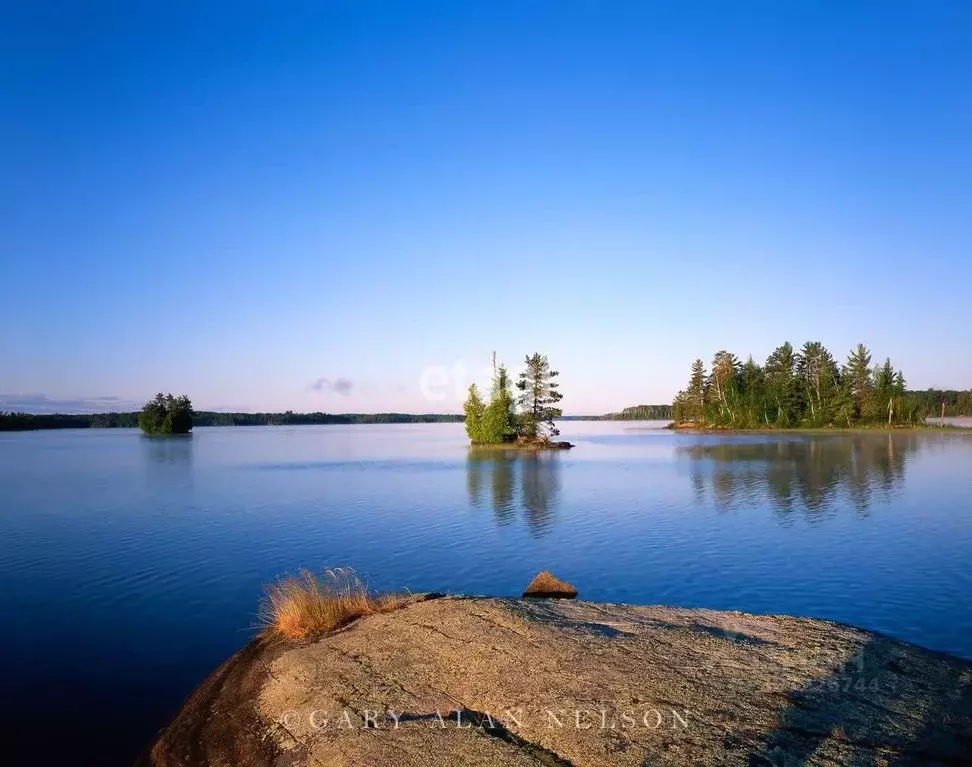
<point x="165" y="414"/>
<point x="499" y="423"/>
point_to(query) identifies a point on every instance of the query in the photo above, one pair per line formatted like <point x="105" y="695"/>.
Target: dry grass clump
<point x="298" y="606"/>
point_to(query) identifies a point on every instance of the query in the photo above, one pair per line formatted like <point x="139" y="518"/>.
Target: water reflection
<point x="493" y="476"/>
<point x="176" y="449"/>
<point x="813" y="473"/>
<point x="168" y="460"/>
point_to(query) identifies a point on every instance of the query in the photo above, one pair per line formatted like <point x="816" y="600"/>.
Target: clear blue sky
<point x="241" y="200"/>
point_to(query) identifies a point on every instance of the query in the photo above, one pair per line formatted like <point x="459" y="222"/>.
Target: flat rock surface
<point x="502" y="682"/>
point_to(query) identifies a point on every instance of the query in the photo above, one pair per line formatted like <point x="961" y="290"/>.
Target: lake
<point x="131" y="566"/>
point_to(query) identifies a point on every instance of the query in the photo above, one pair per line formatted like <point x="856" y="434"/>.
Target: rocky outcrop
<point x="546" y="584"/>
<point x="481" y="681"/>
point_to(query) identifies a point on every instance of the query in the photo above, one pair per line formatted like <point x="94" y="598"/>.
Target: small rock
<point x="546" y="584"/>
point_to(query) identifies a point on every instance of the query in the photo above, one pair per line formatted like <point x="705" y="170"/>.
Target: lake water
<point x="130" y="566"/>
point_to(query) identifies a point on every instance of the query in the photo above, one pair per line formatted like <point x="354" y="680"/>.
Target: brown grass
<point x="299" y="606"/>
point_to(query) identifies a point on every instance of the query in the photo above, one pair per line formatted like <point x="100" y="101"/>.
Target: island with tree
<point x="805" y="388"/>
<point x="521" y="420"/>
<point x="165" y="414"/>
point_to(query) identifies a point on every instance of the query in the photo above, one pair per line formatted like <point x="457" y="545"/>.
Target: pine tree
<point x="884" y="378"/>
<point x="681" y="407"/>
<point x="899" y="384"/>
<point x="538" y="397"/>
<point x="884" y="391"/>
<point x="781" y="384"/>
<point x="817" y="372"/>
<point x="857" y="381"/>
<point x="695" y="394"/>
<point x="752" y="390"/>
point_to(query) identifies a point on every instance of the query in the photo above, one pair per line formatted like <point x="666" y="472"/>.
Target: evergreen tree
<point x="830" y="394"/>
<point x="899" y="384"/>
<point x="499" y="417"/>
<point x="884" y="377"/>
<point x="781" y="385"/>
<point x="475" y="410"/>
<point x="695" y="394"/>
<point x="538" y="397"/>
<point x="858" y="383"/>
<point x="681" y="409"/>
<point x="817" y="373"/>
<point x="883" y="404"/>
<point x="905" y="407"/>
<point x="752" y="390"/>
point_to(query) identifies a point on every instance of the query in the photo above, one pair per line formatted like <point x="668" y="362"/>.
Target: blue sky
<point x="327" y="206"/>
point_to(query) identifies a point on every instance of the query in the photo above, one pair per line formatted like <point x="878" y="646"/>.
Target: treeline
<point x="641" y="413"/>
<point x="805" y="388"/>
<point x="291" y="418"/>
<point x="14" y="421"/>
<point x="957" y="403"/>
<point x="34" y="421"/>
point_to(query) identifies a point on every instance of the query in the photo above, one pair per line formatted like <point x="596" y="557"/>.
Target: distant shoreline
<point x="11" y="422"/>
<point x="50" y="421"/>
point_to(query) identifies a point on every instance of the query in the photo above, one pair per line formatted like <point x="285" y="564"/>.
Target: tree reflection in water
<point x="814" y="473"/>
<point x="536" y="472"/>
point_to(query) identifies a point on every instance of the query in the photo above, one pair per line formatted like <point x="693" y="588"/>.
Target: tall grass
<point x="299" y="606"/>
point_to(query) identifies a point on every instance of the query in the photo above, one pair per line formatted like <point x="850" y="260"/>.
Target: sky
<point x="349" y="206"/>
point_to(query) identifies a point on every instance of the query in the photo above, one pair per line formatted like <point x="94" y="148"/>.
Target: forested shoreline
<point x="17" y="421"/>
<point x="35" y="421"/>
<point x="807" y="388"/>
<point x="925" y="403"/>
<point x="640" y="413"/>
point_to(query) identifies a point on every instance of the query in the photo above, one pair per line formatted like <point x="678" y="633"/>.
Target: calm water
<point x="130" y="566"/>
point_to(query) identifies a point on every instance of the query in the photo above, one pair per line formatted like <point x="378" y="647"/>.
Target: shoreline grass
<point x="297" y="607"/>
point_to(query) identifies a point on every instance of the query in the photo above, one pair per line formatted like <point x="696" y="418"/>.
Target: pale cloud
<point x="341" y="386"/>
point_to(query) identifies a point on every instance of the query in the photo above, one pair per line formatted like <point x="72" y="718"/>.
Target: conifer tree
<point x="781" y="384"/>
<point x="499" y="417"/>
<point x="696" y="391"/>
<point x="752" y="391"/>
<point x="858" y="382"/>
<point x="538" y="397"/>
<point x="475" y="410"/>
<point x="817" y="373"/>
